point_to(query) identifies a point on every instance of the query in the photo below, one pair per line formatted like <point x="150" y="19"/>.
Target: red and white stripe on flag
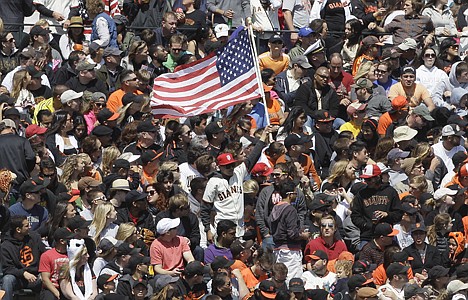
<point x="197" y="89"/>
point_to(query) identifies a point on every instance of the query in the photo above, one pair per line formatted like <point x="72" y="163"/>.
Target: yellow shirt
<point x="351" y="126"/>
<point x="47" y="104"/>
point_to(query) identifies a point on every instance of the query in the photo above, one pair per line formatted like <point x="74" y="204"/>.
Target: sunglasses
<point x="151" y="193"/>
<point x="430" y="55"/>
<point x="278" y="174"/>
<point x="100" y="104"/>
<point x="327" y="225"/>
<point x="11" y="40"/>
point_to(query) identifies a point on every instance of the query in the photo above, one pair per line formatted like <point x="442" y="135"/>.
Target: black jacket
<point x="14" y="11"/>
<point x="94" y="85"/>
<point x="306" y="98"/>
<point x="17" y="156"/>
<point x="433" y="258"/>
<point x="285" y="226"/>
<point x="264" y="206"/>
<point x="322" y="157"/>
<point x="369" y="200"/>
<point x="190" y="227"/>
<point x="144" y="221"/>
<point x="20" y="256"/>
<point x="282" y="88"/>
<point x="63" y="74"/>
<point x="124" y="287"/>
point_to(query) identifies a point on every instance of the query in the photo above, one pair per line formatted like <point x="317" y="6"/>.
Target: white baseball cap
<point x="166" y="224"/>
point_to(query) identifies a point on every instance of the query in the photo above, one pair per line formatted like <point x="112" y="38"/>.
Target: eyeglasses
<point x="278" y="174"/>
<point x="327" y="225"/>
<point x="429" y="55"/>
<point x="322" y="76"/>
<point x="102" y="198"/>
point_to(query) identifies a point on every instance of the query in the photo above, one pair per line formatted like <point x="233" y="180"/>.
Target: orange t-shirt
<point x="380" y="276"/>
<point x="278" y="65"/>
<point x="384" y="121"/>
<point x="238" y="264"/>
<point x="250" y="280"/>
<point x="114" y="103"/>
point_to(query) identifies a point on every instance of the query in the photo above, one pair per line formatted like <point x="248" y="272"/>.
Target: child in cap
<point x="106" y="285"/>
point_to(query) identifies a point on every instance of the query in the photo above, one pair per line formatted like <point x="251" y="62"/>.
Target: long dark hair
<point x="356" y="29"/>
<point x="420" y="60"/>
<point x="60" y="118"/>
<point x="295" y="112"/>
<point x="444" y="46"/>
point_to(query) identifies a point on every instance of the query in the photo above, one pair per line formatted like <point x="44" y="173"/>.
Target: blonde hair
<point x="177" y="201"/>
<point x="65" y="274"/>
<point x="251" y="187"/>
<point x="100" y="219"/>
<point x="338" y="170"/>
<point x="1" y="25"/>
<point x="168" y="166"/>
<point x="345" y="265"/>
<point x="143" y="75"/>
<point x="20" y="79"/>
<point x="68" y="167"/>
<point x="109" y="155"/>
<point x="125" y="231"/>
<point x="42" y="23"/>
<point x="421" y="151"/>
<point x="420" y="182"/>
<point x="441" y="222"/>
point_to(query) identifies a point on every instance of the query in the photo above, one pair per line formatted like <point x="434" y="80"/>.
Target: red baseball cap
<point x="261" y="169"/>
<point x="371" y="171"/>
<point x="225" y="159"/>
<point x="34" y="129"/>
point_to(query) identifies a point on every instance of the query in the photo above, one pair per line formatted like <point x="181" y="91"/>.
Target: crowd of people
<point x="348" y="181"/>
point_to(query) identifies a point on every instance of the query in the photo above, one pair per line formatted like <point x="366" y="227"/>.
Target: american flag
<point x="223" y="79"/>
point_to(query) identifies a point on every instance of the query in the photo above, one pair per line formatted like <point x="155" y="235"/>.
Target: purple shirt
<point x="212" y="251"/>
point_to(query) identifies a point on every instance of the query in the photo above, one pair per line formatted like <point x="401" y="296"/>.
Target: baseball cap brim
<point x="311" y="257"/>
<point x="268" y="295"/>
<point x="394" y="232"/>
<point x="115" y="116"/>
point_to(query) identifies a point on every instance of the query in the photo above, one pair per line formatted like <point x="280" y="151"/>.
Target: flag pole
<point x="257" y="70"/>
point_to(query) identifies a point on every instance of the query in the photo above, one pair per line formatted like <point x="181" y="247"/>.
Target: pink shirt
<point x="169" y="254"/>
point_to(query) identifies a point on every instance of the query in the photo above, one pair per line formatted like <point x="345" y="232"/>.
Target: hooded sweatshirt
<point x="436" y="82"/>
<point x="453" y="78"/>
<point x="285" y="226"/>
<point x="457" y="94"/>
<point x="20" y="256"/>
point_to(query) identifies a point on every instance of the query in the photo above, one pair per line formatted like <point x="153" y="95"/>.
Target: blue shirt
<point x="258" y="113"/>
<point x="387" y="85"/>
<point x="35" y="215"/>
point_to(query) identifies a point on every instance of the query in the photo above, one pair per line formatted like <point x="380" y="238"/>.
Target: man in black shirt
<point x="86" y="79"/>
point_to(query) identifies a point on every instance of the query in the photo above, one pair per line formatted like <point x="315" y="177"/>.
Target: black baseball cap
<point x="295" y="139"/>
<point x="146" y="126"/>
<point x="105" y="278"/>
<point x="214" y="127"/>
<point x="77" y="222"/>
<point x="63" y="233"/>
<point x="221" y="262"/>
<point x="134" y="196"/>
<point x="102" y="130"/>
<point x="127" y="249"/>
<point x="196" y="268"/>
<point x="296" y="285"/>
<point x="396" y="268"/>
<point x="358" y="280"/>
